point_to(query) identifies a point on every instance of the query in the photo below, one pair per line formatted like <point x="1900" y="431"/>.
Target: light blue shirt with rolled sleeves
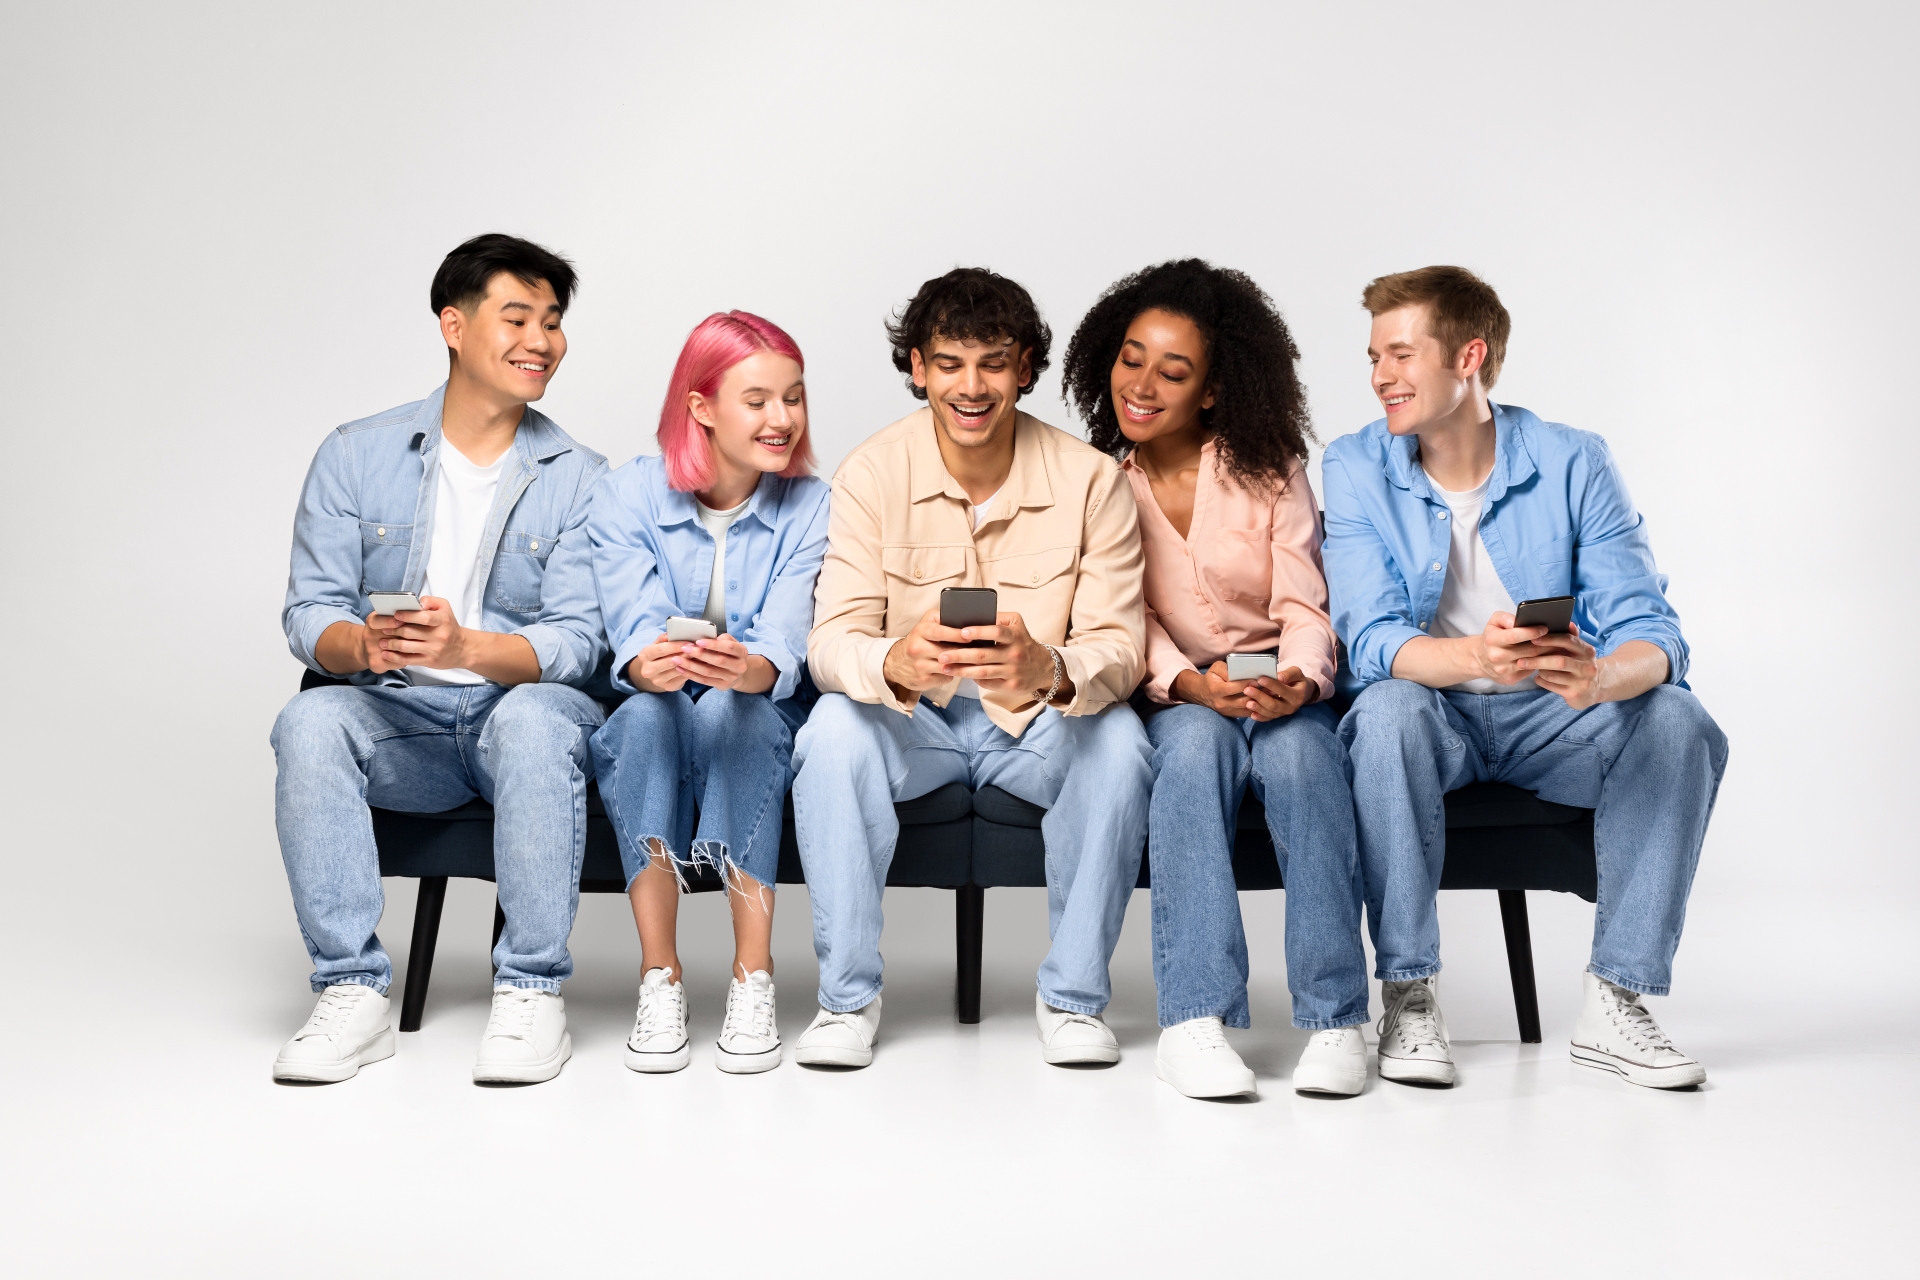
<point x="1557" y="521"/>
<point x="653" y="559"/>
<point x="365" y="523"/>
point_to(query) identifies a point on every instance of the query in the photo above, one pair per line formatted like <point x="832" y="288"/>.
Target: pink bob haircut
<point x="716" y="344"/>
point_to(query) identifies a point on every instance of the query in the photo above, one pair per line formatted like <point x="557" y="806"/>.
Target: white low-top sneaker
<point x="1068" y="1039"/>
<point x="840" y="1039"/>
<point x="1616" y="1033"/>
<point x="750" y="1037"/>
<point x="658" y="1041"/>
<point x="1195" y="1058"/>
<point x="526" y="1040"/>
<point x="1334" y="1062"/>
<point x="349" y="1028"/>
<point x="1413" y="1035"/>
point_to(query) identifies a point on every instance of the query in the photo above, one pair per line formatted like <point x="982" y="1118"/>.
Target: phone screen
<point x="1555" y="613"/>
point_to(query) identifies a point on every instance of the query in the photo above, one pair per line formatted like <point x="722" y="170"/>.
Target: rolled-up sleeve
<point x="323" y="581"/>
<point x="1299" y="601"/>
<point x="779" y="631"/>
<point x="1371" y="608"/>
<point x="568" y="637"/>
<point x="847" y="649"/>
<point x="1622" y="594"/>
<point x="621" y="533"/>
<point x="1165" y="661"/>
<point x="1105" y="650"/>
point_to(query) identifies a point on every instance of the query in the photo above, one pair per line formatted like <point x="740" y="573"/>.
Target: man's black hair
<point x="463" y="277"/>
<point x="969" y="304"/>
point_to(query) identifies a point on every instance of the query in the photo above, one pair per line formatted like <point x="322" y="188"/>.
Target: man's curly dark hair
<point x="969" y="304"/>
<point x="1259" y="416"/>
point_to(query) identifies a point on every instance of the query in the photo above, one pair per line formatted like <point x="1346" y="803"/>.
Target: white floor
<point x="148" y="1140"/>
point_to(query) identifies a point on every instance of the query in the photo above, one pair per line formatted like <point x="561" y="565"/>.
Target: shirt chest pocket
<point x="1034" y="572"/>
<point x="1237" y="565"/>
<point x="1556" y="564"/>
<point x="383" y="555"/>
<point x="925" y="566"/>
<point x="519" y="569"/>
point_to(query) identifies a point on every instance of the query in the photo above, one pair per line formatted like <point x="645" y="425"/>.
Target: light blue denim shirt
<point x="1557" y="521"/>
<point x="365" y="523"/>
<point x="653" y="559"/>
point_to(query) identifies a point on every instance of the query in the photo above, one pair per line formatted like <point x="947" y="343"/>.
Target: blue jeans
<point x="1649" y="768"/>
<point x="1092" y="775"/>
<point x="426" y="749"/>
<point x="726" y="755"/>
<point x="1202" y="764"/>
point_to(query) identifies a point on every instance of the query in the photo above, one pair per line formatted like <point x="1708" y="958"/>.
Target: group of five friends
<point x="1127" y="567"/>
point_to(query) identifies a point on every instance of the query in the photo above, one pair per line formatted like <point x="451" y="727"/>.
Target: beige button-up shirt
<point x="1060" y="542"/>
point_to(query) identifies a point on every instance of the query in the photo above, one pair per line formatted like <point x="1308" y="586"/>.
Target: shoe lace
<point x="750" y="1011"/>
<point x="1333" y="1039"/>
<point x="336" y="1005"/>
<point x="1206" y="1033"/>
<point x="660" y="1010"/>
<point x="513" y="1013"/>
<point x="1633" y="1020"/>
<point x="1412" y="1010"/>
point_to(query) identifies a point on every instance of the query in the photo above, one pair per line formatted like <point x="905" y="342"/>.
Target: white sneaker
<point x="1334" y="1062"/>
<point x="750" y="1038"/>
<point x="1413" y="1035"/>
<point x="840" y="1039"/>
<point x="1195" y="1058"/>
<point x="526" y="1040"/>
<point x="349" y="1028"/>
<point x="1068" y="1039"/>
<point x="1616" y="1033"/>
<point x="658" y="1041"/>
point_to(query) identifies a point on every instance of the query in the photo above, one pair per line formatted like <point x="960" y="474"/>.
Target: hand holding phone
<point x="1555" y="613"/>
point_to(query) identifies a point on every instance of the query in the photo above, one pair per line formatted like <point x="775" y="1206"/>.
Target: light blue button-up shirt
<point x="365" y="523"/>
<point x="653" y="559"/>
<point x="1557" y="521"/>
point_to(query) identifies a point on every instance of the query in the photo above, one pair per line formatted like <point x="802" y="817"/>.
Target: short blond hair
<point x="1460" y="307"/>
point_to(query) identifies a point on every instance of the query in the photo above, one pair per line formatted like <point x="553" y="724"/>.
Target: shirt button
<point x="1436" y="566"/>
<point x="381" y="532"/>
<point x="1036" y="577"/>
<point x="1423" y="626"/>
<point x="1441" y="514"/>
<point x="916" y="573"/>
<point x="533" y="546"/>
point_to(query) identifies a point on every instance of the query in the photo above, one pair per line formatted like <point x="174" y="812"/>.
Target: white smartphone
<point x="389" y="602"/>
<point x="1251" y="666"/>
<point x="686" y="630"/>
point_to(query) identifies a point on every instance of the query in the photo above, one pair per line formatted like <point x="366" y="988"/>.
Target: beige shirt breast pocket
<point x="1038" y="586"/>
<point x="1237" y="565"/>
<point x="915" y="578"/>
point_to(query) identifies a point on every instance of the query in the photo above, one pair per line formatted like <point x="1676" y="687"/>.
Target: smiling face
<point x="1160" y="377"/>
<point x="972" y="387"/>
<point x="1416" y="382"/>
<point x="758" y="416"/>
<point x="510" y="343"/>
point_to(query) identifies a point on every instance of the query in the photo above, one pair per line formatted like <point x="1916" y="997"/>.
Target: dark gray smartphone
<point x="1555" y="613"/>
<point x="969" y="607"/>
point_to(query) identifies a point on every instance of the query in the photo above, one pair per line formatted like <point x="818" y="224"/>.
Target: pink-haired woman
<point x="727" y="526"/>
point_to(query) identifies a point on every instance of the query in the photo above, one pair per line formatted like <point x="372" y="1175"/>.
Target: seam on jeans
<point x="1406" y="975"/>
<point x="1621" y="980"/>
<point x="1332" y="1024"/>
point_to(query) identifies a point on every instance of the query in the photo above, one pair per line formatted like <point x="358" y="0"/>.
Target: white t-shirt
<point x="717" y="524"/>
<point x="968" y="689"/>
<point x="1473" y="591"/>
<point x="462" y="506"/>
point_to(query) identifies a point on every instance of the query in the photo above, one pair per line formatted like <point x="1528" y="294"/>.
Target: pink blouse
<point x="1246" y="578"/>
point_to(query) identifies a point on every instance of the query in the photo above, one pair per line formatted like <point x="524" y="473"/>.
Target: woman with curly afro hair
<point x="1185" y="372"/>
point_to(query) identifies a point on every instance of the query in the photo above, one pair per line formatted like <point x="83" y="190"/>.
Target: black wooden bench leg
<point x="426" y="932"/>
<point x="969" y="916"/>
<point x="1526" y="999"/>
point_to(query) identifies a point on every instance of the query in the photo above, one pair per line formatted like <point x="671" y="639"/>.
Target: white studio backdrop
<point x="221" y="221"/>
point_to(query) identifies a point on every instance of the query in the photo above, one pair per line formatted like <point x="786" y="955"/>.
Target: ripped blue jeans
<point x="664" y="758"/>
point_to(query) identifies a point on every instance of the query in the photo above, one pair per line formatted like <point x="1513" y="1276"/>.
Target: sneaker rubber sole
<point x="831" y="1055"/>
<point x="1081" y="1055"/>
<point x="378" y="1048"/>
<point x="657" y="1064"/>
<point x="747" y="1064"/>
<point x="1223" y="1084"/>
<point x="1417" y="1071"/>
<point x="1682" y="1075"/>
<point x="525" y="1072"/>
<point x="1329" y="1082"/>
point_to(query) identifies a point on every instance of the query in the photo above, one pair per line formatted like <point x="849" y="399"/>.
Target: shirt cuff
<point x="873" y="663"/>
<point x="1160" y="679"/>
<point x="1385" y="641"/>
<point x="313" y="624"/>
<point x="786" y="670"/>
<point x="550" y="648"/>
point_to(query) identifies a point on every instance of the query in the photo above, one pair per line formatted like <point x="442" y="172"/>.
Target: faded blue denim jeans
<point x="427" y="749"/>
<point x="1649" y="768"/>
<point x="1203" y="763"/>
<point x="1092" y="774"/>
<point x="727" y="756"/>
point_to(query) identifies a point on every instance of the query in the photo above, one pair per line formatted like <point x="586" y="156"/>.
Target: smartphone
<point x="1555" y="613"/>
<point x="969" y="607"/>
<point x="1251" y="666"/>
<point x="686" y="630"/>
<point x="391" y="602"/>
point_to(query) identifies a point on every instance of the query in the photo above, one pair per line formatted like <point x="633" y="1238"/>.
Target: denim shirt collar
<point x="535" y="440"/>
<point x="682" y="507"/>
<point x="1512" y="457"/>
